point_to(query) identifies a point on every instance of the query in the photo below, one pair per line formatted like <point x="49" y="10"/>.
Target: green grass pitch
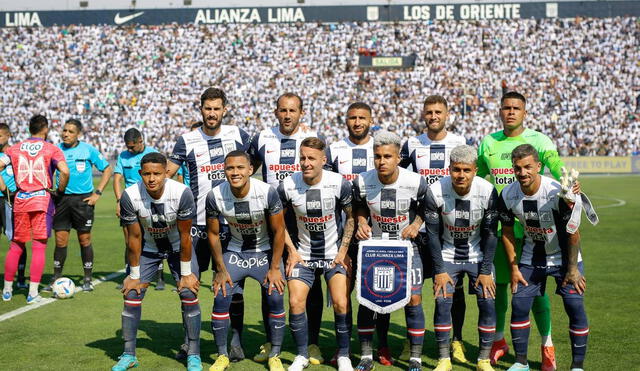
<point x="84" y="332"/>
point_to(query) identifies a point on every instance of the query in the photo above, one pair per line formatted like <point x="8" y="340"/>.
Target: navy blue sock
<point x="520" y="324"/>
<point x="191" y="317"/>
<point x="131" y="319"/>
<point x="486" y="325"/>
<point x="415" y="328"/>
<point x="442" y="324"/>
<point x="276" y="320"/>
<point x="220" y="321"/>
<point x="236" y="313"/>
<point x="578" y="329"/>
<point x="382" y="329"/>
<point x="299" y="330"/>
<point x="314" y="310"/>
<point x="458" y="310"/>
<point x="343" y="335"/>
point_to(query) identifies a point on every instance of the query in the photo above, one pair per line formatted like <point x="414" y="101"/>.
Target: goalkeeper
<point x="494" y="159"/>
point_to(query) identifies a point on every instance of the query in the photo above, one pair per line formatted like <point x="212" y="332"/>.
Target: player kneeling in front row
<point x="390" y="196"/>
<point x="317" y="198"/>
<point x="548" y="250"/>
<point x="461" y="219"/>
<point x="254" y="212"/>
<point x="157" y="213"/>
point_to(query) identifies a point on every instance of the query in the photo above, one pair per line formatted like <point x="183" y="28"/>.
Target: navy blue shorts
<point x="457" y="271"/>
<point x="307" y="273"/>
<point x="149" y="262"/>
<point x="536" y="277"/>
<point x="254" y="264"/>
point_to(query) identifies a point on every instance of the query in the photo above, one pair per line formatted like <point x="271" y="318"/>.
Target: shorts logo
<point x="31" y="147"/>
<point x="248" y="263"/>
<point x="89" y="223"/>
<point x="383" y="279"/>
<point x="327" y="203"/>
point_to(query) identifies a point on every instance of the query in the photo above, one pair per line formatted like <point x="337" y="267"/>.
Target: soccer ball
<point x="64" y="288"/>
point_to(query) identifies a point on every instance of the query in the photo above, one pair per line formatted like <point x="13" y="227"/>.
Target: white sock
<point x="370" y="356"/>
<point x="546" y="341"/>
<point x="415" y="359"/>
<point x="8" y="286"/>
<point x="33" y="289"/>
<point x="499" y="336"/>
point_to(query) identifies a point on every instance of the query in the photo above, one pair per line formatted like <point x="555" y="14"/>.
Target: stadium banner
<point x="328" y="14"/>
<point x="387" y="62"/>
<point x="383" y="281"/>
<point x="603" y="164"/>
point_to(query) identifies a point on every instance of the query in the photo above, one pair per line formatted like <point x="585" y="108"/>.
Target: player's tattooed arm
<point x="222" y="277"/>
<point x="172" y="169"/>
<point x="342" y="258"/>
<point x="573" y="275"/>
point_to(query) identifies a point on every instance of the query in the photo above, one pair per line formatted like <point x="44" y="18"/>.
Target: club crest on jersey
<point x="476" y="214"/>
<point x="328" y="203"/>
<point x="545" y="216"/>
<point x="383" y="279"/>
<point x="229" y="147"/>
<point x="32" y="148"/>
<point x="257" y="214"/>
<point x="403" y="205"/>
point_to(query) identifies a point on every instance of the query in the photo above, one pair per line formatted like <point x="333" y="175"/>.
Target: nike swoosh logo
<point x="276" y="326"/>
<point x="120" y="20"/>
<point x="421" y="156"/>
<point x="343" y="332"/>
<point x="342" y="162"/>
<point x="217" y="328"/>
<point x="270" y="151"/>
<point x="298" y="205"/>
<point x="199" y="154"/>
<point x="371" y="202"/>
<point x="579" y="346"/>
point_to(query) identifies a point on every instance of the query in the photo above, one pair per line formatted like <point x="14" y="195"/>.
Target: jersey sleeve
<point x="330" y="165"/>
<point x="346" y="193"/>
<point x="186" y="207"/>
<point x="274" y="205"/>
<point x="211" y="207"/>
<point x="507" y="217"/>
<point x="179" y="154"/>
<point x="57" y="156"/>
<point x="254" y="151"/>
<point x="118" y="168"/>
<point x="483" y="168"/>
<point x="433" y="227"/>
<point x="358" y="197"/>
<point x="405" y="156"/>
<point x="549" y="156"/>
<point x="128" y="213"/>
<point x="283" y="195"/>
<point x="245" y="139"/>
<point x="489" y="233"/>
<point x="98" y="160"/>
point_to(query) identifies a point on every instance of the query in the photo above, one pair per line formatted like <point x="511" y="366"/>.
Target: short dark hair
<point x="290" y="95"/>
<point x="433" y="99"/>
<point x="213" y="93"/>
<point x="524" y="150"/>
<point x="313" y="142"/>
<point x="359" y="105"/>
<point x="237" y="153"/>
<point x="4" y="126"/>
<point x="132" y="135"/>
<point x="37" y="123"/>
<point x="196" y="125"/>
<point x="153" y="158"/>
<point x="75" y="122"/>
<point x="513" y="95"/>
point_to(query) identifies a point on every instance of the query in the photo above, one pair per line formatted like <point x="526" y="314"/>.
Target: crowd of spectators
<point x="581" y="77"/>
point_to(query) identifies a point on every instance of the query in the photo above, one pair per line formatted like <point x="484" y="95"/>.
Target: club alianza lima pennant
<point x="384" y="274"/>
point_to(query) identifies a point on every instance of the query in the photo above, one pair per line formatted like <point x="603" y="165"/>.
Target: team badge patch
<point x="81" y="166"/>
<point x="328" y="203"/>
<point x="476" y="214"/>
<point x="383" y="281"/>
<point x="403" y="206"/>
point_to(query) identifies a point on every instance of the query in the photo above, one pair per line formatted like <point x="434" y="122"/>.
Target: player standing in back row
<point x="494" y="159"/>
<point x="277" y="150"/>
<point x="34" y="161"/>
<point x="203" y="150"/>
<point x="428" y="154"/>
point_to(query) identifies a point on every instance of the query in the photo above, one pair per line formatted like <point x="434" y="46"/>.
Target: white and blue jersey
<point x="81" y="158"/>
<point x="278" y="153"/>
<point x="247" y="217"/>
<point x="430" y="158"/>
<point x="158" y="218"/>
<point x="128" y="165"/>
<point x="318" y="213"/>
<point x="544" y="217"/>
<point x="204" y="158"/>
<point x="349" y="159"/>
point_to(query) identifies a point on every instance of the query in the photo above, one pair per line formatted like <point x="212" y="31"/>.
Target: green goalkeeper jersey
<point x="494" y="156"/>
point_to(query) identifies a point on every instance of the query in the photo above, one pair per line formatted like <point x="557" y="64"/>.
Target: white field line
<point x="44" y="302"/>
<point x="617" y="202"/>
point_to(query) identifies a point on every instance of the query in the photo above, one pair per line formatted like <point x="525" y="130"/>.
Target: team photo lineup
<point x="377" y="215"/>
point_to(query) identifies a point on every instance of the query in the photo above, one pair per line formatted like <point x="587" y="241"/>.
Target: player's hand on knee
<point x="579" y="282"/>
<point x="190" y="282"/>
<point x="363" y="232"/>
<point x="488" y="286"/>
<point x="220" y="282"/>
<point x="293" y="259"/>
<point x="340" y="259"/>
<point x="275" y="281"/>
<point x="517" y="278"/>
<point x="131" y="284"/>
<point x="440" y="282"/>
